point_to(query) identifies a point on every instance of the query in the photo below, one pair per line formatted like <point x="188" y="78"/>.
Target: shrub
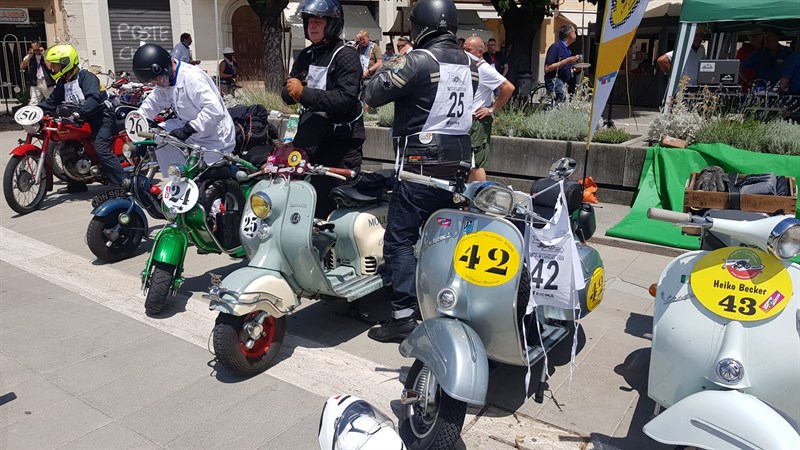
<point x="611" y="136"/>
<point x="782" y="137"/>
<point x="773" y="137"/>
<point x="681" y="122"/>
<point x="258" y="95"/>
<point x="386" y="115"/>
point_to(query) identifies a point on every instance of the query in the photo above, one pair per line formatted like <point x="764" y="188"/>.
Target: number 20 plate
<point x="181" y="196"/>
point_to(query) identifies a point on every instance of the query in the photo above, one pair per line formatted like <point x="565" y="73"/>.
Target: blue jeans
<point x="103" y="132"/>
<point x="410" y="206"/>
<point x="555" y="88"/>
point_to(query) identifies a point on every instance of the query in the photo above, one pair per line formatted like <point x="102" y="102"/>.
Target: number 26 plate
<point x="181" y="196"/>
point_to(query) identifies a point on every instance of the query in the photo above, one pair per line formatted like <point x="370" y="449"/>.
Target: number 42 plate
<point x="181" y="196"/>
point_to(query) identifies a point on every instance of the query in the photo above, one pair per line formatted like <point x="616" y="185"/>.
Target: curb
<point x="637" y="246"/>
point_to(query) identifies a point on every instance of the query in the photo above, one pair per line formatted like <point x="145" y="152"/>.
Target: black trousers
<point x="344" y="153"/>
<point x="103" y="133"/>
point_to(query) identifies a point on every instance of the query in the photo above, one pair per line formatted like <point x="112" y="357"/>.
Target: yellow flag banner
<point x="621" y="19"/>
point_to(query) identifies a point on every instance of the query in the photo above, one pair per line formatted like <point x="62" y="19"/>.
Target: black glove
<point x="183" y="132"/>
<point x="711" y="179"/>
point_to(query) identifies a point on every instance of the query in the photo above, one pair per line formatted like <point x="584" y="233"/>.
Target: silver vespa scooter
<point x="473" y="304"/>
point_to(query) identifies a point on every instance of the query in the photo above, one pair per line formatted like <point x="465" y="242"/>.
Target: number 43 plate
<point x="181" y="196"/>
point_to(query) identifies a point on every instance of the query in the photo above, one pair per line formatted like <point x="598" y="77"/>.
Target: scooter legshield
<point x="254" y="288"/>
<point x="455" y="354"/>
<point x="723" y="419"/>
<point x="118" y="205"/>
<point x="170" y="246"/>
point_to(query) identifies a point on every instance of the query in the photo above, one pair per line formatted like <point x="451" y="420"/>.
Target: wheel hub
<point x="254" y="330"/>
<point x="24" y="181"/>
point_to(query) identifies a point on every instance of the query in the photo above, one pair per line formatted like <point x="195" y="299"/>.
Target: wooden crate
<point x="697" y="200"/>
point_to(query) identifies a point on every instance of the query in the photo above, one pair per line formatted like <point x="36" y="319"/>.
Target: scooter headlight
<point x="174" y="173"/>
<point x="33" y="128"/>
<point x="730" y="370"/>
<point x="784" y="240"/>
<point x="261" y="205"/>
<point x="446" y="299"/>
<point x="493" y="198"/>
<point x="127" y="150"/>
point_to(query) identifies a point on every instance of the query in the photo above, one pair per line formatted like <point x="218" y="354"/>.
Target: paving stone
<point x="112" y="435"/>
<point x="12" y="373"/>
<point x="270" y="411"/>
<point x="30" y="397"/>
<point x="302" y="435"/>
<point x="54" y="427"/>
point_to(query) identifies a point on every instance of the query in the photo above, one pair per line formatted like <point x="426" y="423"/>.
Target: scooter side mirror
<point x="562" y="168"/>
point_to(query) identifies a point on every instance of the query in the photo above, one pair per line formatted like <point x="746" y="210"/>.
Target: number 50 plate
<point x="181" y="196"/>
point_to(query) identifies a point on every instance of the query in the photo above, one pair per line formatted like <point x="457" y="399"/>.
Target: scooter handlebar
<point x="665" y="215"/>
<point x="337" y="172"/>
<point x="425" y="180"/>
<point x="146" y="134"/>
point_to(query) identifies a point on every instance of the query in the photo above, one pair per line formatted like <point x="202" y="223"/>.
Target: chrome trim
<point x="217" y="295"/>
<point x="775" y="235"/>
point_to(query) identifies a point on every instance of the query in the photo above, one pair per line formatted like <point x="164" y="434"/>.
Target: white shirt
<point x="692" y="66"/>
<point x="195" y="99"/>
<point x="489" y="80"/>
<point x="182" y="53"/>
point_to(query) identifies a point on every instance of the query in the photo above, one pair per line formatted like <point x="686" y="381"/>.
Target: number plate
<point x="742" y="284"/>
<point x="250" y="224"/>
<point x="99" y="199"/>
<point x="180" y="196"/>
<point x="135" y="123"/>
<point x="28" y="115"/>
<point x="486" y="259"/>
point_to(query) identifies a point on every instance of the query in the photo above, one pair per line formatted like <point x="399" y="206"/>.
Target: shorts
<point x="480" y="136"/>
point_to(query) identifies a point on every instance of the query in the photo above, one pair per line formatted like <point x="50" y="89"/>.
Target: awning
<point x="660" y="8"/>
<point x="469" y="24"/>
<point x="357" y="18"/>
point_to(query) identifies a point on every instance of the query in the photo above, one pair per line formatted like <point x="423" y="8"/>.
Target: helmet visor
<point x="320" y="8"/>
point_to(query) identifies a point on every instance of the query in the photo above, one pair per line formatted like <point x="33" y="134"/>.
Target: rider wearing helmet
<point x="192" y="95"/>
<point x="326" y="81"/>
<point x="82" y="88"/>
<point x="432" y="89"/>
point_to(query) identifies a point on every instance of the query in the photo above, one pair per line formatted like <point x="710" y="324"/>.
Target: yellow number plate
<point x="486" y="259"/>
<point x="741" y="284"/>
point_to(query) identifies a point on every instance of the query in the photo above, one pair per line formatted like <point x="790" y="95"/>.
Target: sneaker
<point x="394" y="329"/>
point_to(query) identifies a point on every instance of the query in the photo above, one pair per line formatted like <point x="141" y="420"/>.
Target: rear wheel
<point x="23" y="192"/>
<point x="435" y="421"/>
<point x="161" y="280"/>
<point x="246" y="347"/>
<point x="126" y="238"/>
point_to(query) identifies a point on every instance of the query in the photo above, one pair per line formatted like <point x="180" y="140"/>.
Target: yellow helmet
<point x="66" y="56"/>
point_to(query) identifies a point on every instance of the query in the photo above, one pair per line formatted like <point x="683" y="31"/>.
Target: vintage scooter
<point x="473" y="306"/>
<point x="293" y="255"/>
<point x="203" y="203"/>
<point x="725" y="360"/>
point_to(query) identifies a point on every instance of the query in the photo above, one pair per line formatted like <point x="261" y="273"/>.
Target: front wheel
<point x="161" y="280"/>
<point x="246" y="347"/>
<point x="435" y="421"/>
<point x="109" y="241"/>
<point x="23" y="192"/>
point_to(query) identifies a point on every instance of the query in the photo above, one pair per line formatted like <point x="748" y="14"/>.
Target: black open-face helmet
<point x="329" y="9"/>
<point x="151" y="61"/>
<point x="431" y="18"/>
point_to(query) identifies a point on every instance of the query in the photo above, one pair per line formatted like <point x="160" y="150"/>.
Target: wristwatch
<point x="491" y="111"/>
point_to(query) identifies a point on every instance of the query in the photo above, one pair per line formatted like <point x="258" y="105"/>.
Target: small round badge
<point x="426" y="138"/>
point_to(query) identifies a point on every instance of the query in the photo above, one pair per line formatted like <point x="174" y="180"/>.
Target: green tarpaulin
<point x="727" y="10"/>
<point x="663" y="180"/>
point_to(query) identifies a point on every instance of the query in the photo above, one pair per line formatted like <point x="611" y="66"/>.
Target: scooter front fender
<point x="723" y="419"/>
<point x="169" y="246"/>
<point x="117" y="205"/>
<point x="251" y="288"/>
<point x="455" y="354"/>
<point x="22" y="149"/>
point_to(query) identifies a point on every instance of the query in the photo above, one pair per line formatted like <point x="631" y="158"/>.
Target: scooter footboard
<point x="249" y="289"/>
<point x="455" y="354"/>
<point x="723" y="419"/>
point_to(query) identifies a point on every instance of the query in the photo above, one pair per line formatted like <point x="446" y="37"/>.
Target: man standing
<point x="369" y="54"/>
<point x="403" y="46"/>
<point x="692" y="65"/>
<point x="768" y="61"/>
<point x="37" y="74"/>
<point x="558" y="64"/>
<point x="482" y="108"/>
<point x="182" y="52"/>
<point x="227" y="71"/>
<point x="432" y="88"/>
<point x="389" y="52"/>
<point x="326" y="81"/>
<point x="495" y="58"/>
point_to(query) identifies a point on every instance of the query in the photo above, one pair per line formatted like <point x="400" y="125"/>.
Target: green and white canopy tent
<point x="726" y="18"/>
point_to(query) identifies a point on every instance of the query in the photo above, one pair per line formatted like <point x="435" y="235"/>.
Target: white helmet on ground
<point x="350" y="423"/>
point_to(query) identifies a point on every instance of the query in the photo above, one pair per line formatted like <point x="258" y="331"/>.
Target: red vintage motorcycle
<point x="29" y="174"/>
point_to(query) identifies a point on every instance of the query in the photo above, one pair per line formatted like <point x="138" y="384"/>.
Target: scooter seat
<point x="544" y="202"/>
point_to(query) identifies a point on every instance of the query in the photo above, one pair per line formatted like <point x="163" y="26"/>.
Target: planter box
<point x="694" y="200"/>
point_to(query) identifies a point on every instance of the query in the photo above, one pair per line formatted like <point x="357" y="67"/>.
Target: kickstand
<point x="538" y="396"/>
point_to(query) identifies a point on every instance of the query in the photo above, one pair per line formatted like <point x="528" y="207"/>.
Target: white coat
<point x="195" y="99"/>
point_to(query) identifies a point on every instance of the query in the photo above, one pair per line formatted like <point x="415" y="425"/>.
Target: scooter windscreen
<point x="363" y="427"/>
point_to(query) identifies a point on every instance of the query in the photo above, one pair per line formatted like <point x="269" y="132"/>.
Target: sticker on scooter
<point x="250" y="224"/>
<point x="597" y="286"/>
<point x="180" y="196"/>
<point x="486" y="259"/>
<point x="741" y="284"/>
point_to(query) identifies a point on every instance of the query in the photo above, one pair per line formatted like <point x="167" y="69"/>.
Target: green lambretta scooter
<point x="203" y="203"/>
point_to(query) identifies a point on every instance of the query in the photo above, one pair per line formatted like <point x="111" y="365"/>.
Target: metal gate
<point x="135" y="23"/>
<point x="15" y="40"/>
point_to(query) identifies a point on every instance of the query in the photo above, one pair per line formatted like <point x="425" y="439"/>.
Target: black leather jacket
<point x="340" y="99"/>
<point x="412" y="84"/>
